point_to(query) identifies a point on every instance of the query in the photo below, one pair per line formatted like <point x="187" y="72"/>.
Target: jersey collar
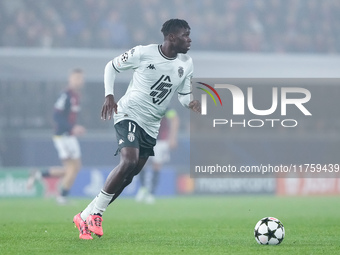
<point x="160" y="52"/>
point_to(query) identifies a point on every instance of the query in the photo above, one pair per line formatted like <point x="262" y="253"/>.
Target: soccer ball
<point x="269" y="230"/>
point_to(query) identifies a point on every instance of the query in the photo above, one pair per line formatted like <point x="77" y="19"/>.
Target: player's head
<point x="177" y="32"/>
<point x="173" y="25"/>
<point x="76" y="79"/>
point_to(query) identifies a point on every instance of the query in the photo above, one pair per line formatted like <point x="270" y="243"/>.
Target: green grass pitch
<point x="182" y="225"/>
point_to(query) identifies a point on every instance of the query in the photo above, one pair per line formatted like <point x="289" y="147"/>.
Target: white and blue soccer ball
<point x="269" y="231"/>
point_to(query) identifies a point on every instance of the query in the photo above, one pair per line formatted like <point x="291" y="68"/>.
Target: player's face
<point x="76" y="80"/>
<point x="182" y="40"/>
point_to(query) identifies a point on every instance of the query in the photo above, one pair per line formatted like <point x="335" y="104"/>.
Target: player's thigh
<point x="67" y="147"/>
<point x="74" y="148"/>
<point x="130" y="134"/>
<point x="127" y="135"/>
<point x="61" y="147"/>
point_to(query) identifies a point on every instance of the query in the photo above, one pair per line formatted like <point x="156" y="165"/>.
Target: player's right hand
<point x="108" y="107"/>
<point x="78" y="130"/>
<point x="195" y="105"/>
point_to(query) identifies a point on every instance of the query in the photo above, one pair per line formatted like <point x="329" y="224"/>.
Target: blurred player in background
<point x="65" y="139"/>
<point x="160" y="71"/>
<point x="166" y="140"/>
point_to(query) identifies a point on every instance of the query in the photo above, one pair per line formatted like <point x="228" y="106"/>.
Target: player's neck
<point x="168" y="51"/>
<point x="74" y="90"/>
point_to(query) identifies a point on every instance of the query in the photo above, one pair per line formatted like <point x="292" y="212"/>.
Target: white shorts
<point x="67" y="147"/>
<point x="162" y="152"/>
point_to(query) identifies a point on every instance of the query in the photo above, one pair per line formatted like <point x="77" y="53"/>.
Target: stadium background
<point x="41" y="41"/>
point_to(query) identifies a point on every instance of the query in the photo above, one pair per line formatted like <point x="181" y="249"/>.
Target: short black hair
<point x="172" y="26"/>
<point x="77" y="70"/>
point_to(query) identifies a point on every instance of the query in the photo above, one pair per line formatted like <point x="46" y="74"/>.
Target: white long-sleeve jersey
<point x="155" y="80"/>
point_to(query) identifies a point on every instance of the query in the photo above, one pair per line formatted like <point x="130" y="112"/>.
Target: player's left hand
<point x="195" y="105"/>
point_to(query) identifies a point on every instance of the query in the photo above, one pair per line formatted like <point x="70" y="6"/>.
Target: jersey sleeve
<point x="62" y="103"/>
<point x="128" y="60"/>
<point x="61" y="113"/>
<point x="185" y="87"/>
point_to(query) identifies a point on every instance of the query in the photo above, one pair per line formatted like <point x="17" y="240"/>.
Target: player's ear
<point x="171" y="37"/>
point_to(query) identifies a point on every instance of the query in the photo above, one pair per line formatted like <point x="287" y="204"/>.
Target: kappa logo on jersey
<point x="125" y="57"/>
<point x="121" y="141"/>
<point x="180" y="71"/>
<point x="161" y="89"/>
<point x="151" y="67"/>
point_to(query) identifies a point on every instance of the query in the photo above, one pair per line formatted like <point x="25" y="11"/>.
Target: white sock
<point x="84" y="214"/>
<point x="102" y="202"/>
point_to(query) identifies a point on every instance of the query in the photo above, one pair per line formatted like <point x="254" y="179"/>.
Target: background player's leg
<point x="142" y="177"/>
<point x="143" y="190"/>
<point x="38" y="175"/>
<point x="72" y="167"/>
<point x="156" y="168"/>
<point x="54" y="171"/>
<point x="154" y="178"/>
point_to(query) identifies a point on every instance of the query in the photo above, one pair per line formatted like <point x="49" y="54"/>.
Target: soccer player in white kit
<point x="160" y="71"/>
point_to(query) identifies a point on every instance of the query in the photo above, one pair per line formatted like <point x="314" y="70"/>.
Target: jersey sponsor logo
<point x="180" y="71"/>
<point x="151" y="67"/>
<point x="161" y="89"/>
